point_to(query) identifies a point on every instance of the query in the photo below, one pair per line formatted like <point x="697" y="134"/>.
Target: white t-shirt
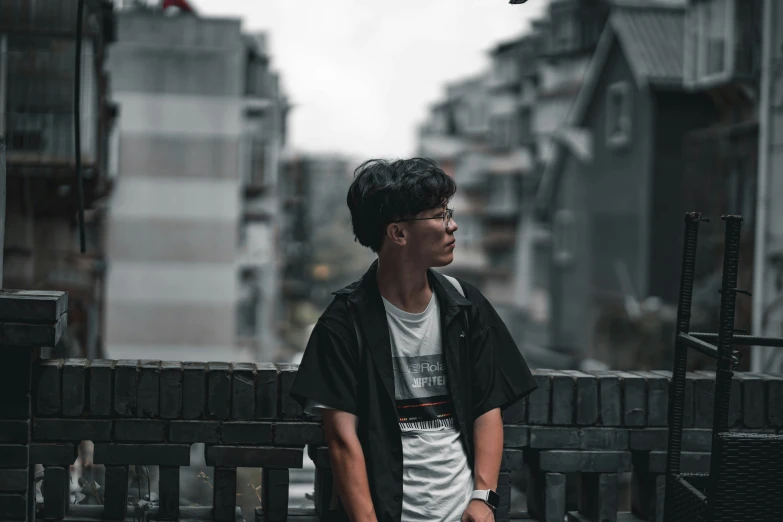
<point x="436" y="477"/>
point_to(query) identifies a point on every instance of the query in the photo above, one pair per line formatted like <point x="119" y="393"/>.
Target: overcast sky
<point x="361" y="73"/>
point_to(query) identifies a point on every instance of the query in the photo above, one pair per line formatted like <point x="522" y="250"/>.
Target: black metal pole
<point x="728" y="299"/>
<point x="723" y="372"/>
<point x="677" y="392"/>
<point x="77" y="114"/>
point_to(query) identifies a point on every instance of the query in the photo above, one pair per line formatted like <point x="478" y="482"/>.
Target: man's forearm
<point x="488" y="444"/>
<point x="350" y="479"/>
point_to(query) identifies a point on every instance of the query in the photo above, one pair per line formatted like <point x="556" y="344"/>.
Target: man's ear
<point x="396" y="234"/>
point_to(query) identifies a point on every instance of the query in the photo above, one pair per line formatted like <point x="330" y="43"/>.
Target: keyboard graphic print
<point x="422" y="394"/>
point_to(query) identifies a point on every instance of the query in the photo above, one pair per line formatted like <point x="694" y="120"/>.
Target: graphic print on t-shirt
<point x="421" y="392"/>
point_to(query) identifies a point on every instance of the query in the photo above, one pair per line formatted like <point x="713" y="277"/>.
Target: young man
<point x="410" y="374"/>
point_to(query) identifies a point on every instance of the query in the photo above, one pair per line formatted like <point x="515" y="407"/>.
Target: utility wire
<point x="77" y="116"/>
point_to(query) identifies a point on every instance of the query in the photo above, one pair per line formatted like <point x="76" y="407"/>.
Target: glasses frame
<point x="446" y="217"/>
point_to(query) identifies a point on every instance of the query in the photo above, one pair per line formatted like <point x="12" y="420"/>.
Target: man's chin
<point x="443" y="261"/>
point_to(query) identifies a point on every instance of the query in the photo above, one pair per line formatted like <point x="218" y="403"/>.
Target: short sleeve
<point x="327" y="373"/>
<point x="315" y="409"/>
<point x="501" y="374"/>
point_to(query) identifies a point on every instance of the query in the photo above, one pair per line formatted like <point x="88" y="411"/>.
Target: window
<point x="505" y="69"/>
<point x="500" y="131"/>
<point x="258" y="81"/>
<point x="618" y="114"/>
<point x="462" y="117"/>
<point x="563" y="236"/>
<point x="715" y="35"/>
<point x="257" y="161"/>
<point x="564" y="32"/>
<point x="525" y="126"/>
<point x="249" y="303"/>
<point x="479" y="114"/>
<point x="501" y="259"/>
<point x="37" y="85"/>
<point x="469" y="228"/>
<point x="502" y="193"/>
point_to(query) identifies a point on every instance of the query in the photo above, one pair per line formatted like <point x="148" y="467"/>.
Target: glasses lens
<point x="447" y="217"/>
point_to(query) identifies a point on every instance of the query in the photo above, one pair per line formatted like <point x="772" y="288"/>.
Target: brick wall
<point x="594" y="424"/>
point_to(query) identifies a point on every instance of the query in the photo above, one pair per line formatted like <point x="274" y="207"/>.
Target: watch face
<point x="493" y="499"/>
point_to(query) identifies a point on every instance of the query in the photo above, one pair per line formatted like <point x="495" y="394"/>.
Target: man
<point x="409" y="369"/>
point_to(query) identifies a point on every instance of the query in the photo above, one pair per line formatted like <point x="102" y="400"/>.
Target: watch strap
<point x="491" y="498"/>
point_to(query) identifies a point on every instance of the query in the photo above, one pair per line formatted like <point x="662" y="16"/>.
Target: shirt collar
<point x="359" y="291"/>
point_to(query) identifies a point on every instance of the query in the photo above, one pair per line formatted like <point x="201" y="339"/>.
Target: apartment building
<point x="316" y="239"/>
<point x="191" y="226"/>
<point x="37" y="73"/>
<point x="526" y="96"/>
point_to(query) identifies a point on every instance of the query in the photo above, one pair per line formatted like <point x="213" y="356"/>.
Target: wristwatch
<point x="491" y="498"/>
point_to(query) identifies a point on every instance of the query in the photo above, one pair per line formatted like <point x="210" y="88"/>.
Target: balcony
<point x="500" y="239"/>
<point x="506" y="72"/>
<point x="37" y="114"/>
<point x="441" y="147"/>
<point x="470" y="169"/>
<point x="260" y="83"/>
<point x="50" y="18"/>
<point x="258" y="165"/>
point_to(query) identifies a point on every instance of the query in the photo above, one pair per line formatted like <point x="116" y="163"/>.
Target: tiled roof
<point x="652" y="38"/>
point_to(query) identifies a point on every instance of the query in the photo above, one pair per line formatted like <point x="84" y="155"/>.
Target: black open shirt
<point x="484" y="370"/>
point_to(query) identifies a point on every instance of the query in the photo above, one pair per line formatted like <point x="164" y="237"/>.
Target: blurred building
<point x="192" y="222"/>
<point x="595" y="131"/>
<point x="664" y="122"/>
<point x="474" y="135"/>
<point x="722" y="60"/>
<point x="455" y="135"/>
<point x="316" y="239"/>
<point x="615" y="205"/>
<point x="768" y="245"/>
<point x="497" y="133"/>
<point x="41" y="251"/>
<point x="568" y="37"/>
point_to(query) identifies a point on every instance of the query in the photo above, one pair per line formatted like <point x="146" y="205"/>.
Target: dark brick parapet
<point x="28" y="321"/>
<point x="594" y="425"/>
<point x="223" y="393"/>
<point x="597" y="424"/>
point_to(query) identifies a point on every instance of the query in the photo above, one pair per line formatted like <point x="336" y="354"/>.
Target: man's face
<point x="429" y="240"/>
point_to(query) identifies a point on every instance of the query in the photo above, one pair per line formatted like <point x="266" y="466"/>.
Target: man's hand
<point x="478" y="511"/>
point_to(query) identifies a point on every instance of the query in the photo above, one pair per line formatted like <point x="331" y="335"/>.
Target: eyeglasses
<point x="446" y="217"/>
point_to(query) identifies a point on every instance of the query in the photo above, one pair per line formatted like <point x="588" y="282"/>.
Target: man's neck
<point x="404" y="286"/>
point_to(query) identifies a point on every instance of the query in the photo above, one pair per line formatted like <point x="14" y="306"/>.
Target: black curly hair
<point x="384" y="191"/>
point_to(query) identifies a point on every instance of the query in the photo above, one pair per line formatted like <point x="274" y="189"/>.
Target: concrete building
<point x="567" y="39"/>
<point x="455" y="135"/>
<point x="40" y="200"/>
<point x="316" y="239"/>
<point x="479" y="135"/>
<point x="526" y="97"/>
<point x="666" y="121"/>
<point x="191" y="237"/>
<point x="264" y="137"/>
<point x="616" y="211"/>
<point x="768" y="248"/>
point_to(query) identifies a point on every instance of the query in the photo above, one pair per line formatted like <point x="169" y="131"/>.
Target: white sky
<point x="362" y="73"/>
